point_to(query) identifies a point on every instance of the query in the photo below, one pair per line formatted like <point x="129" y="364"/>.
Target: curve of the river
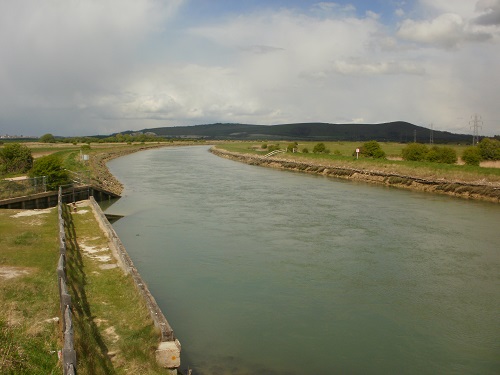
<point x="262" y="271"/>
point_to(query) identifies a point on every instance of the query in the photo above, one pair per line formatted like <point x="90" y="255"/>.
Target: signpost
<point x="357" y="153"/>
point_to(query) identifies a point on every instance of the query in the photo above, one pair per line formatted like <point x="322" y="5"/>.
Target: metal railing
<point x="68" y="352"/>
<point x="16" y="187"/>
<point x="272" y="153"/>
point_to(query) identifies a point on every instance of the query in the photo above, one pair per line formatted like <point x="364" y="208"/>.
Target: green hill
<point x="398" y="131"/>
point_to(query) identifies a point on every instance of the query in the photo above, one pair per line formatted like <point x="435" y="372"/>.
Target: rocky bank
<point x="480" y="191"/>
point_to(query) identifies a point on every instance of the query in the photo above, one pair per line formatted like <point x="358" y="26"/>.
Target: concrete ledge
<point x="169" y="346"/>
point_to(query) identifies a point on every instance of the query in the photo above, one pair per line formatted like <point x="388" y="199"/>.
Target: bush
<point x="305" y="150"/>
<point x="15" y="158"/>
<point x="292" y="146"/>
<point x="489" y="148"/>
<point x="264" y="146"/>
<point x="472" y="156"/>
<point x="319" y="148"/>
<point x="275" y="147"/>
<point x="415" y="152"/>
<point x="50" y="166"/>
<point x="371" y="149"/>
<point x="442" y="154"/>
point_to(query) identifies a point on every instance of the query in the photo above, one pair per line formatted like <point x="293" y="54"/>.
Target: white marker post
<point x="357" y="153"/>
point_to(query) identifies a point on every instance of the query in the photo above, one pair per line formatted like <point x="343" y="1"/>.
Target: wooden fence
<point x="68" y="351"/>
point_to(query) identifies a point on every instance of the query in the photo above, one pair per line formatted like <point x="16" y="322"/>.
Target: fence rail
<point x="68" y="351"/>
<point x="16" y="187"/>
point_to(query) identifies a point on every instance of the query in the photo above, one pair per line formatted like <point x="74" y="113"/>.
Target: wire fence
<point x="17" y="187"/>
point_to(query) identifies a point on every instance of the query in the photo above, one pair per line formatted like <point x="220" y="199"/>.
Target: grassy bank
<point x="113" y="331"/>
<point x="341" y="156"/>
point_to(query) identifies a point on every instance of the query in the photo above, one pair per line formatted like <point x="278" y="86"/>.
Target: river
<point x="261" y="271"/>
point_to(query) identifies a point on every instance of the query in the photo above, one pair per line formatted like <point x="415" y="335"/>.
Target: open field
<point x="113" y="331"/>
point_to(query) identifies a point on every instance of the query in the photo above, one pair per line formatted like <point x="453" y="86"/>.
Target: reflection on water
<point x="269" y="272"/>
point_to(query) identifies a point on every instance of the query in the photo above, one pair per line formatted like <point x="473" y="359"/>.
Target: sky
<point x="88" y="67"/>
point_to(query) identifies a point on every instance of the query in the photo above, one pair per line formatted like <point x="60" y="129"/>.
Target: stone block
<point x="168" y="354"/>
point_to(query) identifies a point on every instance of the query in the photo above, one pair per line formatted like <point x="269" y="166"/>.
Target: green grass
<point x="114" y="333"/>
<point x="345" y="159"/>
<point x="28" y="342"/>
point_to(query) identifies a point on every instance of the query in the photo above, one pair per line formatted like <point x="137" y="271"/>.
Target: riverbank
<point x="487" y="191"/>
<point x="99" y="172"/>
<point x="113" y="330"/>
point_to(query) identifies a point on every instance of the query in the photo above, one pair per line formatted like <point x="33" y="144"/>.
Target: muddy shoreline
<point x="100" y="174"/>
<point x="466" y="190"/>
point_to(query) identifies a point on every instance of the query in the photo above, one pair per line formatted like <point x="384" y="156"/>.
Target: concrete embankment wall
<point x="168" y="353"/>
<point x="454" y="188"/>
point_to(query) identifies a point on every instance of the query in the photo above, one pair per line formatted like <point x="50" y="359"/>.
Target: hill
<point x="398" y="131"/>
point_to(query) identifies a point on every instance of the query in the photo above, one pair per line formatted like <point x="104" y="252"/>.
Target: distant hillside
<point x="398" y="131"/>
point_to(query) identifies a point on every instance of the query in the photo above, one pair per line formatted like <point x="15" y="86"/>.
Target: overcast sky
<point x="85" y="67"/>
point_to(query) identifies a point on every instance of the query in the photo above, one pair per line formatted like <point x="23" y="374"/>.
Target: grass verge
<point x="113" y="331"/>
<point x="344" y="159"/>
<point x="29" y="336"/>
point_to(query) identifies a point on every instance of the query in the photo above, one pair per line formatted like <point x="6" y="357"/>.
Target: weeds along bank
<point x="471" y="190"/>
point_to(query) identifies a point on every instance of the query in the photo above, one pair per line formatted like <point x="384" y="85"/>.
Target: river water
<point x="261" y="271"/>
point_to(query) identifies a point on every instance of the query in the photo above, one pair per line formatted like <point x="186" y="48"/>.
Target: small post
<point x="357" y="153"/>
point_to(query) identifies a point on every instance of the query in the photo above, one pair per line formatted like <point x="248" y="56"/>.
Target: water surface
<point x="262" y="271"/>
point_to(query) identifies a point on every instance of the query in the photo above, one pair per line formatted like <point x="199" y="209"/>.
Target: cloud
<point x="448" y="30"/>
<point x="373" y="68"/>
<point x="61" y="56"/>
<point x="491" y="12"/>
<point x="87" y="68"/>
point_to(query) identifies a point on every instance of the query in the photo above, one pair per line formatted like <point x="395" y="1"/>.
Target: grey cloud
<point x="261" y="49"/>
<point x="491" y="15"/>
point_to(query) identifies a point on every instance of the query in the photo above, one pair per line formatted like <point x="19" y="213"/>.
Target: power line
<point x="475" y="125"/>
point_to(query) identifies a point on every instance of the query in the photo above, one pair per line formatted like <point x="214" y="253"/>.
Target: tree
<point x="47" y="138"/>
<point x="415" y="152"/>
<point x="372" y="149"/>
<point x="50" y="166"/>
<point x="472" y="155"/>
<point x="16" y="158"/>
<point x="489" y="148"/>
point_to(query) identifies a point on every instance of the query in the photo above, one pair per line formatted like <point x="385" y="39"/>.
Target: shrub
<point x="371" y="149"/>
<point x="319" y="148"/>
<point x="15" y="158"/>
<point x="50" y="166"/>
<point x="305" y="150"/>
<point x="472" y="156"/>
<point x="275" y="147"/>
<point x="264" y="146"/>
<point x="442" y="154"/>
<point x="292" y="146"/>
<point x="489" y="148"/>
<point x="415" y="152"/>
